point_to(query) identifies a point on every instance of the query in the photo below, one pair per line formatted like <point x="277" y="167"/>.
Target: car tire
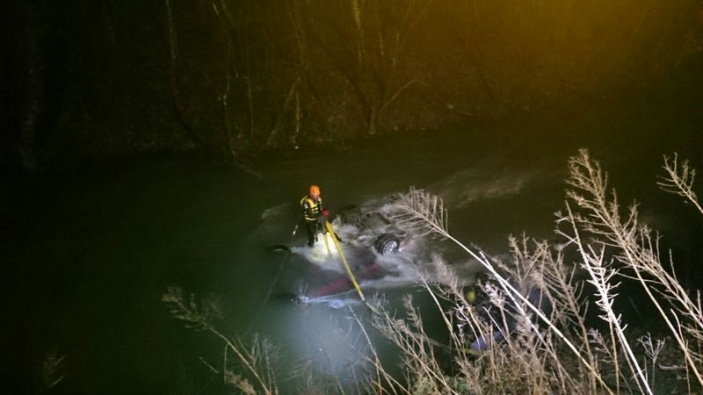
<point x="387" y="244"/>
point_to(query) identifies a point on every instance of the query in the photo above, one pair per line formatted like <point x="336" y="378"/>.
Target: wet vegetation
<point x="235" y="78"/>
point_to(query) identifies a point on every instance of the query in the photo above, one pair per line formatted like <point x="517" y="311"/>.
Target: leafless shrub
<point x="637" y="253"/>
<point x="611" y="247"/>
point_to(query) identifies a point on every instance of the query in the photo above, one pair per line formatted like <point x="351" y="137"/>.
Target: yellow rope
<point x="327" y="243"/>
<point x="344" y="259"/>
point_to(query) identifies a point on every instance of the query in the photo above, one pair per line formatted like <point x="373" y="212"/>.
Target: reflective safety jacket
<point x="311" y="208"/>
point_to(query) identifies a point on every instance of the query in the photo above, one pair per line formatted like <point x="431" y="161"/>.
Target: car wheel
<point x="387" y="244"/>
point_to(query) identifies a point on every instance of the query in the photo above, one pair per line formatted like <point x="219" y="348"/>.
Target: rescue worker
<point x="503" y="318"/>
<point x="314" y="214"/>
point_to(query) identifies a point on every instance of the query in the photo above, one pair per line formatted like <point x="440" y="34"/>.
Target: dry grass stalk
<point x="636" y="251"/>
<point x="679" y="180"/>
<point x="598" y="231"/>
<point x="255" y="360"/>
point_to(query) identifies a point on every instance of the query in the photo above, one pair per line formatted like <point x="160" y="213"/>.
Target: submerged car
<point x="369" y="243"/>
<point x="374" y="229"/>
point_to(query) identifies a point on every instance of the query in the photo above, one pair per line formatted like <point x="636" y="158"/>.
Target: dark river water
<point x="87" y="254"/>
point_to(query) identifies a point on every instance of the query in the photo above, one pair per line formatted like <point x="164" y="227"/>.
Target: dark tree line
<point x="238" y="77"/>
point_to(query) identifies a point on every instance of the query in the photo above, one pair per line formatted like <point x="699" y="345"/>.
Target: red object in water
<point x="326" y="212"/>
<point x="344" y="284"/>
<point x="340" y="285"/>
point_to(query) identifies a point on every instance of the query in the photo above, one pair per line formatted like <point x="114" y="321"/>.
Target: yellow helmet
<point x="314" y="190"/>
<point x="470" y="296"/>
